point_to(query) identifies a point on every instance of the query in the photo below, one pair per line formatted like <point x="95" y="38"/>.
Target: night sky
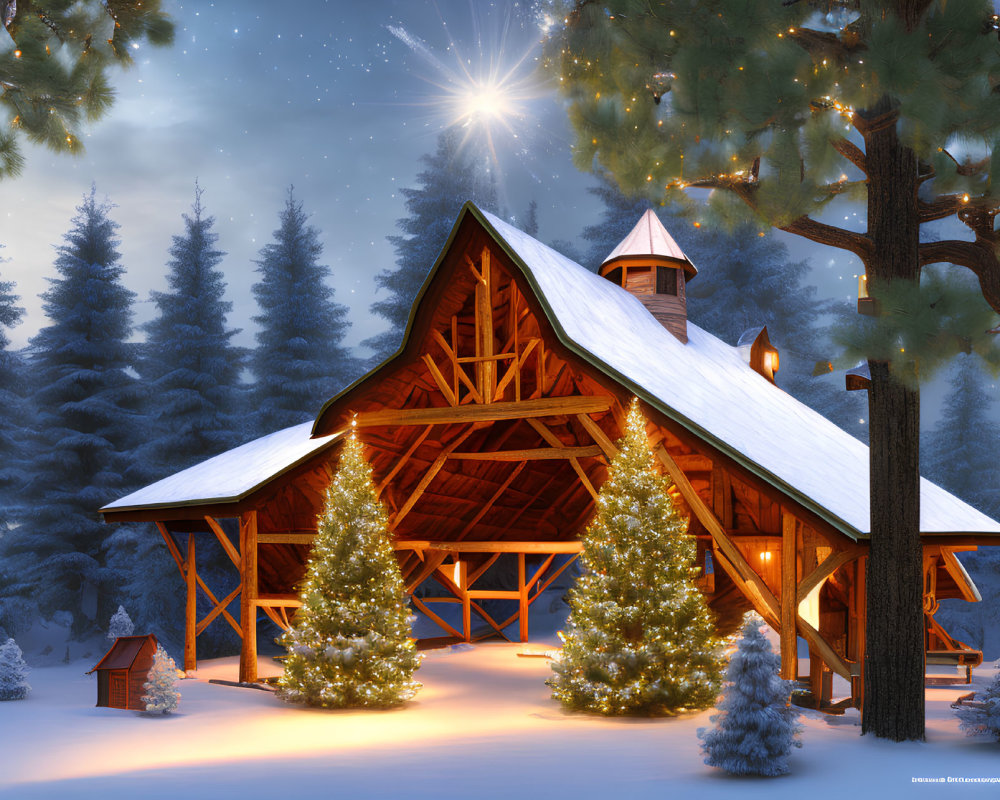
<point x="340" y="99"/>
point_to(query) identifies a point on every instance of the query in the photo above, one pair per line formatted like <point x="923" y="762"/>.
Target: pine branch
<point x="852" y="153"/>
<point x="941" y="207"/>
<point x="979" y="256"/>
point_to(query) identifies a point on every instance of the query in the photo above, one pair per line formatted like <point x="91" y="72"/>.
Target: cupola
<point x="649" y="264"/>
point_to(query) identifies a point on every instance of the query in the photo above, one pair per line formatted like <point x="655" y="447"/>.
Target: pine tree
<point x="189" y="365"/>
<point x="755" y="729"/>
<point x="452" y="175"/>
<point x="350" y="645"/>
<point x="161" y="697"/>
<point x="14" y="419"/>
<point x="13" y="672"/>
<point x="299" y="362"/>
<point x="983" y="717"/>
<point x="55" y="76"/>
<point x="782" y="109"/>
<point x="86" y="425"/>
<point x="960" y="455"/>
<point x="640" y="638"/>
<point x="120" y="624"/>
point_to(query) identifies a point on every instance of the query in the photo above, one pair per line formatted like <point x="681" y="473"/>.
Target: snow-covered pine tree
<point x="13" y="672"/>
<point x="120" y="624"/>
<point x="161" y="696"/>
<point x="85" y="429"/>
<point x="189" y="364"/>
<point x="755" y="729"/>
<point x="640" y="638"/>
<point x="350" y="643"/>
<point x="960" y="454"/>
<point x="453" y="174"/>
<point x="982" y="718"/>
<point x="14" y="419"/>
<point x="299" y="361"/>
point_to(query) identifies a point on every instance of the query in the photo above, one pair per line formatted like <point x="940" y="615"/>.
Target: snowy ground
<point x="484" y="726"/>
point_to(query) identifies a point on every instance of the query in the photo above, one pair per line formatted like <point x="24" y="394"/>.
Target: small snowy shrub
<point x="13" y="672"/>
<point x="983" y="719"/>
<point x="755" y="728"/>
<point x="120" y="625"/>
<point x="161" y="697"/>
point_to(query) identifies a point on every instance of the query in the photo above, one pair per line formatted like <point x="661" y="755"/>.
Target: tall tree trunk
<point x="894" y="651"/>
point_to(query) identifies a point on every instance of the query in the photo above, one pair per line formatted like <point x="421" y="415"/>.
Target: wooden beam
<point x="532" y="454"/>
<point x="277" y="601"/>
<point x="742" y="574"/>
<point x="556" y="442"/>
<point x="481" y="569"/>
<point x="789" y="598"/>
<point x="522" y="588"/>
<point x="467" y="529"/>
<point x="217" y="610"/>
<point x="442" y="384"/>
<point x="227" y="545"/>
<point x="420" y="605"/>
<point x="844" y="669"/>
<point x="830" y="564"/>
<point x="248" y="609"/>
<point x="190" y="608"/>
<point x="285" y="538"/>
<point x="544" y="548"/>
<point x="401" y="461"/>
<point x="598" y="435"/>
<point x="541" y="407"/>
<point x="172" y="547"/>
<point x="428" y="476"/>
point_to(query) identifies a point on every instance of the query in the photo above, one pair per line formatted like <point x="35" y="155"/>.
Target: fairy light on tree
<point x="350" y="643"/>
<point x="640" y="638"/>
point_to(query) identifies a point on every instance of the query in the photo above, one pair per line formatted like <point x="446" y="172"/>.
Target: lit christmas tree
<point x="640" y="638"/>
<point x="161" y="697"/>
<point x="13" y="672"/>
<point x="983" y="717"/>
<point x="755" y="728"/>
<point x="350" y="644"/>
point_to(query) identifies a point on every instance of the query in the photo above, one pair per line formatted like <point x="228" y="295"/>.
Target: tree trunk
<point x="894" y="650"/>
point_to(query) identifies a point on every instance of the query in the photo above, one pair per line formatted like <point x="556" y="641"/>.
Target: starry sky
<point x="339" y="99"/>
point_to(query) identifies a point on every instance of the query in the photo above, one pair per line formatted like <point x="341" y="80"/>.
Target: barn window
<point x="615" y="276"/>
<point x="666" y="280"/>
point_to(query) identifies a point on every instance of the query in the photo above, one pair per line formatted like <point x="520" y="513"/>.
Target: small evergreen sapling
<point x="756" y="726"/>
<point x="13" y="672"/>
<point x="120" y="625"/>
<point x="161" y="697"/>
<point x="350" y="643"/>
<point x="983" y="718"/>
<point x="640" y="638"/>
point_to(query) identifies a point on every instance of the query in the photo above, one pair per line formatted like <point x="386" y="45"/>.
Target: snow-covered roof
<point x="708" y="388"/>
<point x="650" y="238"/>
<point x="230" y="476"/>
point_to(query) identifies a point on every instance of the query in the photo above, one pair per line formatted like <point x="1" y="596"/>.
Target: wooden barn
<point x="490" y="432"/>
<point x="122" y="672"/>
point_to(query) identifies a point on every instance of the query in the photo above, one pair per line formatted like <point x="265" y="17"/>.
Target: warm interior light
<point x="458" y="573"/>
<point x="771" y="361"/>
<point x="765" y="556"/>
<point x="862" y="287"/>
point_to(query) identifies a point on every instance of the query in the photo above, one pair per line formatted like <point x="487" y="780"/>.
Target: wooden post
<point x="522" y="588"/>
<point x="858" y="683"/>
<point x="463" y="585"/>
<point x="486" y="369"/>
<point x="248" y="607"/>
<point x="190" y="611"/>
<point x="789" y="599"/>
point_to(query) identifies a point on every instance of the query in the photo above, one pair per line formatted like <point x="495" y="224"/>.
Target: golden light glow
<point x="765" y="556"/>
